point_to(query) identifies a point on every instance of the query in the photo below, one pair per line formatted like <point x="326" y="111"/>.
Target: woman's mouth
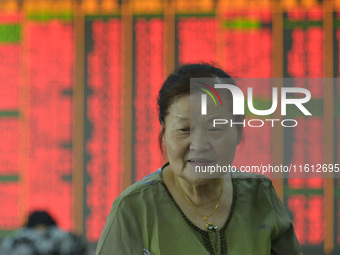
<point x="200" y="162"/>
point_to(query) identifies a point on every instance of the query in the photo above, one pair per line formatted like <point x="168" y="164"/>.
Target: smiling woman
<point x="177" y="211"/>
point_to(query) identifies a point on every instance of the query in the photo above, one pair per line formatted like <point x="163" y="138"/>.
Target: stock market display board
<point x="79" y="83"/>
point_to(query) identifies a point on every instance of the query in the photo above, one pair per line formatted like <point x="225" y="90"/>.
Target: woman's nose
<point x="199" y="141"/>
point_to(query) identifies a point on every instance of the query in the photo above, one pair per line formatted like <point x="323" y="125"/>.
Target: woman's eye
<point x="184" y="130"/>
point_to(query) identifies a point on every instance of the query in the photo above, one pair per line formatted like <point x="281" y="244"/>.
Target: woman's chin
<point x="199" y="177"/>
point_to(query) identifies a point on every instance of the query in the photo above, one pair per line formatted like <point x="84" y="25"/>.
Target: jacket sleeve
<point x="285" y="241"/>
<point x="121" y="234"/>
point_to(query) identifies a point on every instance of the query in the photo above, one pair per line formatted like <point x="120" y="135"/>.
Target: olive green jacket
<point x="145" y="219"/>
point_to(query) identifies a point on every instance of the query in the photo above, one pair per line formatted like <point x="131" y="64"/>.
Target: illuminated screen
<point x="148" y="78"/>
<point x="43" y="102"/>
<point x="102" y="120"/>
<point x="337" y="115"/>
<point x="303" y="33"/>
<point x="248" y="45"/>
<point x="196" y="39"/>
<point x="49" y="58"/>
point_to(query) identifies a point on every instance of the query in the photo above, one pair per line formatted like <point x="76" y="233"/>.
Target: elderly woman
<point x="175" y="211"/>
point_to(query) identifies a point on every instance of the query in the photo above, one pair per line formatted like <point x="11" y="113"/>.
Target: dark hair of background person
<point x="40" y="218"/>
<point x="178" y="84"/>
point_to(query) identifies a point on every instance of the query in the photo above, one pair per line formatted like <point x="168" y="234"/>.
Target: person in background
<point x="41" y="236"/>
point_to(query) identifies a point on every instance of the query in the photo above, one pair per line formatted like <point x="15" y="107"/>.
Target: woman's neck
<point x="203" y="195"/>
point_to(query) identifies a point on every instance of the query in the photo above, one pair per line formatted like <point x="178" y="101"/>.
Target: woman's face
<point x="193" y="143"/>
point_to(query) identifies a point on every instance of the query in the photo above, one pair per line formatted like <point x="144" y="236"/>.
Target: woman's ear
<point x="162" y="133"/>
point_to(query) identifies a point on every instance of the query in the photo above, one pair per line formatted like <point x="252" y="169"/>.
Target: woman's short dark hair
<point x="178" y="84"/>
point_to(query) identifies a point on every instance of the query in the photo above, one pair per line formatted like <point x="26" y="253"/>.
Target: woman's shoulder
<point x="140" y="195"/>
<point x="148" y="184"/>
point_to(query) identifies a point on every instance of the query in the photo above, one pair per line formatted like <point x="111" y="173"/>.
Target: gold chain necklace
<point x="208" y="225"/>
